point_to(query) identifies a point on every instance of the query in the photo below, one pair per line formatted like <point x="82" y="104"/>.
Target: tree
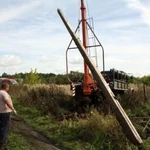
<point x="146" y="80"/>
<point x="4" y="75"/>
<point x="32" y="78"/>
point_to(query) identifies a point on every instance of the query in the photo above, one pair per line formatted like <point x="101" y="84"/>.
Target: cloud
<point x="45" y="59"/>
<point x="16" y="11"/>
<point x="143" y="9"/>
<point x="9" y="60"/>
<point x="120" y="23"/>
<point x="76" y="60"/>
<point x="39" y="38"/>
<point x="111" y="59"/>
<point x="10" y="69"/>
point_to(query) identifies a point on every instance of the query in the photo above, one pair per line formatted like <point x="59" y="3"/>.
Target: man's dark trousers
<point x="4" y="126"/>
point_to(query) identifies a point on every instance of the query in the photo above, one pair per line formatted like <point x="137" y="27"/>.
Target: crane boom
<point x="88" y="80"/>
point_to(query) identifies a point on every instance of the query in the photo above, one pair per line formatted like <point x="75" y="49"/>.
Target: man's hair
<point x="4" y="86"/>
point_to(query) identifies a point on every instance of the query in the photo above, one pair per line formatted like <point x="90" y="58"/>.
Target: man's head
<point x="5" y="87"/>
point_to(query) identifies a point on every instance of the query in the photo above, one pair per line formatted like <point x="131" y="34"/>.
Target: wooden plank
<point x="121" y="116"/>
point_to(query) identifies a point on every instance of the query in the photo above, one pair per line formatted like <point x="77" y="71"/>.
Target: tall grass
<point x="51" y="99"/>
<point x="93" y="132"/>
<point x="103" y="132"/>
<point x="135" y="103"/>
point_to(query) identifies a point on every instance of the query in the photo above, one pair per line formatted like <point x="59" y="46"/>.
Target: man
<point x="6" y="107"/>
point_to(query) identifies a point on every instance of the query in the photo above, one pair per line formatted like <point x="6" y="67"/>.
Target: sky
<point x="32" y="35"/>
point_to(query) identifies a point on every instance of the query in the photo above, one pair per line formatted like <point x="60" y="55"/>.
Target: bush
<point x="50" y="99"/>
<point x="32" y="78"/>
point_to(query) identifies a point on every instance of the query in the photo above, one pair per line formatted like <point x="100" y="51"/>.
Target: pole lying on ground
<point x="121" y="116"/>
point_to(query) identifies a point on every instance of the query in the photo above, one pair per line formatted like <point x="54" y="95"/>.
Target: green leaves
<point x="32" y="78"/>
<point x="146" y="80"/>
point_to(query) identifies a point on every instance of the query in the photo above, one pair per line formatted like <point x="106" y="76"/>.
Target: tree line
<point x="141" y="80"/>
<point x="33" y="77"/>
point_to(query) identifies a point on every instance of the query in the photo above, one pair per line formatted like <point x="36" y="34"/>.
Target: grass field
<point x="44" y="107"/>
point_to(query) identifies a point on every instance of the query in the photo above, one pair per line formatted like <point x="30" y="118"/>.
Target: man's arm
<point x="9" y="103"/>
